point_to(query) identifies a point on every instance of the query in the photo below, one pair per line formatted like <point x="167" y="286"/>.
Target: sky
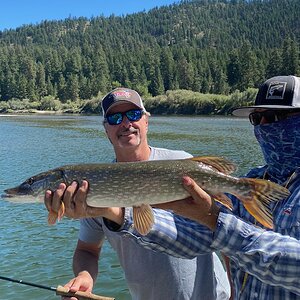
<point x="15" y="13"/>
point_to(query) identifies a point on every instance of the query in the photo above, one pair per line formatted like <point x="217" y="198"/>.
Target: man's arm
<point x="176" y="235"/>
<point x="85" y="259"/>
<point x="200" y="207"/>
<point x="271" y="257"/>
<point x="86" y="255"/>
<point x="85" y="267"/>
<point x="172" y="234"/>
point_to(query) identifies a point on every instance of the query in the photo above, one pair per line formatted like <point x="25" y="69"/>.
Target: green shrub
<point x="51" y="104"/>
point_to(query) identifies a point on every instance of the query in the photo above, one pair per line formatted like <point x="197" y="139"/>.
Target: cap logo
<point x="122" y="94"/>
<point x="276" y="90"/>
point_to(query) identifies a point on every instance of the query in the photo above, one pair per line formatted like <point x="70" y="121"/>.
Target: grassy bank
<point x="182" y="102"/>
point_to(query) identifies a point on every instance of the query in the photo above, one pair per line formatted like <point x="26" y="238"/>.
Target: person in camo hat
<point x="149" y="275"/>
<point x="264" y="264"/>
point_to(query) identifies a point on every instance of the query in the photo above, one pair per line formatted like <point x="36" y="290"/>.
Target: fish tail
<point x="258" y="199"/>
<point x="143" y="218"/>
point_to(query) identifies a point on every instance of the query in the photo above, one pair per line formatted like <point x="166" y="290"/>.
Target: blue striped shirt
<point x="264" y="264"/>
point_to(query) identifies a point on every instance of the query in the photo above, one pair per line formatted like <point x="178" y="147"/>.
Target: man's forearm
<point x="172" y="234"/>
<point x="85" y="261"/>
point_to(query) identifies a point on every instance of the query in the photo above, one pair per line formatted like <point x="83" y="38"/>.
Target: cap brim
<point x="246" y="110"/>
<point x="121" y="102"/>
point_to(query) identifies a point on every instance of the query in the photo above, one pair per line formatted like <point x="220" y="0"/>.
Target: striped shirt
<point x="264" y="264"/>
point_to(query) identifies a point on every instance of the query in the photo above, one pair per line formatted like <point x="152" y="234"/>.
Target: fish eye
<point x="30" y="181"/>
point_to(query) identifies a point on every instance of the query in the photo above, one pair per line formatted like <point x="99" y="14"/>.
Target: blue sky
<point x="15" y="13"/>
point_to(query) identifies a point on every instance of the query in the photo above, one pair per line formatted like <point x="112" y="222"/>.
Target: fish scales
<point x="129" y="184"/>
<point x="139" y="183"/>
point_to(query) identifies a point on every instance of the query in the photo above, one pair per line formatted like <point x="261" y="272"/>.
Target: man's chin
<point x="129" y="141"/>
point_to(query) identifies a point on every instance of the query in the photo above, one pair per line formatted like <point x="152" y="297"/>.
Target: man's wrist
<point x="115" y="220"/>
<point x="111" y="225"/>
<point x="115" y="214"/>
<point x="211" y="220"/>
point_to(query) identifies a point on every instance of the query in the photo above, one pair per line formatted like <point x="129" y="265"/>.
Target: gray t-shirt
<point x="157" y="276"/>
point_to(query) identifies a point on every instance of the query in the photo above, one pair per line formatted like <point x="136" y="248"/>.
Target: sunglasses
<point x="270" y="116"/>
<point x="132" y="115"/>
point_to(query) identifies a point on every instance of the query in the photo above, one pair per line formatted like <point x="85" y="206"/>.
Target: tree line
<point x="204" y="46"/>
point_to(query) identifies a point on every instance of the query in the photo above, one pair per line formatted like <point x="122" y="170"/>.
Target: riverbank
<point x="177" y="102"/>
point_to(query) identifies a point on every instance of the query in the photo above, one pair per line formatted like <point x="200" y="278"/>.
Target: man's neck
<point x="140" y="154"/>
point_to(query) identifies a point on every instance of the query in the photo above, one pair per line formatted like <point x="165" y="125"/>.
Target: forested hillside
<point x="206" y="46"/>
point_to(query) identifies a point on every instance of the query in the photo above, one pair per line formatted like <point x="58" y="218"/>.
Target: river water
<point x="33" y="251"/>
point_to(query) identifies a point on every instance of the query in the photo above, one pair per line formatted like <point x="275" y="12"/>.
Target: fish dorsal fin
<point x="143" y="218"/>
<point x="219" y="163"/>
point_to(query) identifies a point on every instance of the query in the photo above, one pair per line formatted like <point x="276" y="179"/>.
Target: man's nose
<point x="263" y="121"/>
<point x="126" y="122"/>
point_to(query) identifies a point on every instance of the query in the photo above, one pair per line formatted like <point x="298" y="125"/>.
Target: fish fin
<point x="223" y="199"/>
<point x="262" y="193"/>
<point x="219" y="163"/>
<point x="52" y="217"/>
<point x="56" y="216"/>
<point x="61" y="212"/>
<point x="143" y="218"/>
<point x="260" y="212"/>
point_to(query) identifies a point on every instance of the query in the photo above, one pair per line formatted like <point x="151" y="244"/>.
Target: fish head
<point x="38" y="184"/>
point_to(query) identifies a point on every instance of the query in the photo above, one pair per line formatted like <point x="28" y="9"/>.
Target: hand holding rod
<point x="60" y="290"/>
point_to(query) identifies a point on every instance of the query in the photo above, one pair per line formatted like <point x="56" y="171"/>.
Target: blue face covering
<point x="280" y="144"/>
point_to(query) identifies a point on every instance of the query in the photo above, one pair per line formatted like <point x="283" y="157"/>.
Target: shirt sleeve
<point x="171" y="234"/>
<point x="90" y="230"/>
<point x="269" y="256"/>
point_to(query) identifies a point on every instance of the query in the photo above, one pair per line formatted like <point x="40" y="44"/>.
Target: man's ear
<point x="147" y="122"/>
<point x="104" y="125"/>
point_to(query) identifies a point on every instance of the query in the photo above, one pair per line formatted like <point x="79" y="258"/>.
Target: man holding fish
<point x="150" y="275"/>
<point x="263" y="264"/>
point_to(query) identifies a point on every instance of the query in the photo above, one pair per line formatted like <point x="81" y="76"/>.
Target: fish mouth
<point x="10" y="192"/>
<point x="17" y="196"/>
<point x="6" y="195"/>
<point x="17" y="191"/>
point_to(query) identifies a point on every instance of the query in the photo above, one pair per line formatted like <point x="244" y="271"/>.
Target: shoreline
<point x="38" y="112"/>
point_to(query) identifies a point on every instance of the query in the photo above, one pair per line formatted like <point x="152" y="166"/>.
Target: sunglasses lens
<point x="269" y="117"/>
<point x="114" y="119"/>
<point x="117" y="118"/>
<point x="255" y="118"/>
<point x="134" y="115"/>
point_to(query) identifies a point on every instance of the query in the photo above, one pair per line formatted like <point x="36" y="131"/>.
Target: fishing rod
<point x="60" y="290"/>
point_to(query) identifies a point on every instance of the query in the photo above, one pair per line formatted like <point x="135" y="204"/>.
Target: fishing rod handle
<point x="62" y="291"/>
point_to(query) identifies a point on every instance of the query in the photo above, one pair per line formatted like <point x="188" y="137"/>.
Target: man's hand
<point x="83" y="282"/>
<point x="199" y="207"/>
<point x="74" y="198"/>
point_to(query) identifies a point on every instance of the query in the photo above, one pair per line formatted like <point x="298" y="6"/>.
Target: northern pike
<point x="145" y="183"/>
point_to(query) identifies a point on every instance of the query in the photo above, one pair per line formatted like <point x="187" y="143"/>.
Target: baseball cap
<point x="277" y="93"/>
<point x="120" y="95"/>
